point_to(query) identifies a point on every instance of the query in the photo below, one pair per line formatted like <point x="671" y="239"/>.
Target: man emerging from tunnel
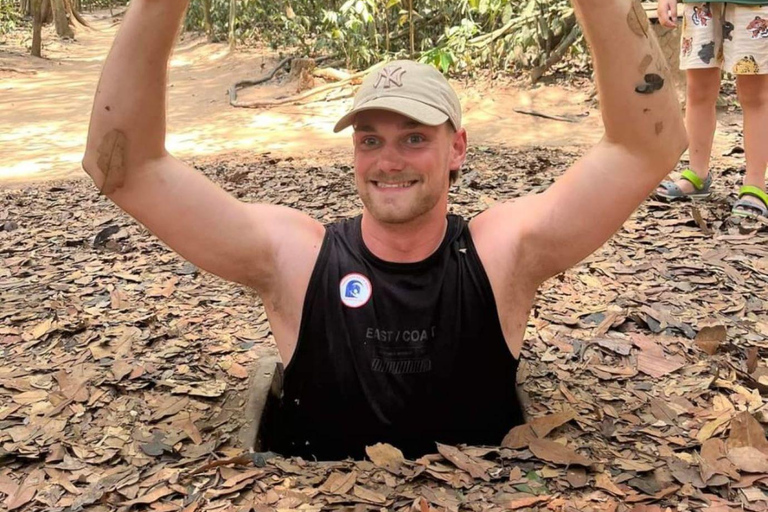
<point x="405" y="324"/>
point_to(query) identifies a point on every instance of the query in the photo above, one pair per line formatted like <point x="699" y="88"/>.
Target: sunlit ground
<point x="44" y="111"/>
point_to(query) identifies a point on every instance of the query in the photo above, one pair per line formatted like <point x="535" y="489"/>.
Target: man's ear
<point x="458" y="149"/>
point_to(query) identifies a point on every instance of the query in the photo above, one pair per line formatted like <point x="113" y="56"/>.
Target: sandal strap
<point x="668" y="185"/>
<point x="692" y="177"/>
<point x="750" y="190"/>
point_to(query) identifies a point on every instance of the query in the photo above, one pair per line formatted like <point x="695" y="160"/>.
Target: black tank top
<point x="404" y="353"/>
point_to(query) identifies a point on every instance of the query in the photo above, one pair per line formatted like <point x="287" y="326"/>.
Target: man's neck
<point x="405" y="243"/>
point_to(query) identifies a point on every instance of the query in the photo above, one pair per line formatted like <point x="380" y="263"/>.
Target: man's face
<point x="402" y="167"/>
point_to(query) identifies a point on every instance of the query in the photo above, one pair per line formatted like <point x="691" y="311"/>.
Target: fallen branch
<point x="545" y="116"/>
<point x="248" y="83"/>
<point x="18" y="71"/>
<point x="306" y="94"/>
<point x="485" y="39"/>
<point x="558" y="54"/>
<point x="330" y="74"/>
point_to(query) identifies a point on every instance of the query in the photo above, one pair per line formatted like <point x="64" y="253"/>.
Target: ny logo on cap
<point x="390" y="76"/>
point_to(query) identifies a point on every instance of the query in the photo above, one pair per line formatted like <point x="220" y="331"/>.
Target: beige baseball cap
<point x="410" y="88"/>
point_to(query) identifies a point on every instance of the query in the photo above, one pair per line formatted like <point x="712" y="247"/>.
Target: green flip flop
<point x="701" y="188"/>
<point x="749" y="209"/>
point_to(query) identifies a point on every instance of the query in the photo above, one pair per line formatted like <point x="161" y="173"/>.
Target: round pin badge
<point x="355" y="290"/>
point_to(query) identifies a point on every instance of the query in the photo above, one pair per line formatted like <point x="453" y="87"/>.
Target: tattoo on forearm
<point x="111" y="161"/>
<point x="639" y="24"/>
<point x="637" y="19"/>
<point x="645" y="64"/>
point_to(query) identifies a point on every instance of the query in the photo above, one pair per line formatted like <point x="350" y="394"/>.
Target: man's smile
<point x="393" y="184"/>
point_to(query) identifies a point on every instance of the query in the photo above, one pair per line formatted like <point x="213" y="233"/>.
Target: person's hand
<point x="667" y="11"/>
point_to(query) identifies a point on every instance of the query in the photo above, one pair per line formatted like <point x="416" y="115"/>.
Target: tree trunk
<point x="386" y="28"/>
<point x="232" y="18"/>
<point x="73" y="11"/>
<point x="207" y="20"/>
<point x="37" y="28"/>
<point x="47" y="12"/>
<point x="301" y="73"/>
<point x="63" y="29"/>
<point x="410" y="23"/>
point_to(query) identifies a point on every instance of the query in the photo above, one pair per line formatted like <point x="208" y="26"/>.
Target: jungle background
<point x="125" y="370"/>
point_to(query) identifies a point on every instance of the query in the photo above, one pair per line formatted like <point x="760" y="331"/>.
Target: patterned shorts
<point x="728" y="36"/>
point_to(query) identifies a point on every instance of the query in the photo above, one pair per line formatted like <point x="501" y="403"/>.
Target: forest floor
<point x="123" y="369"/>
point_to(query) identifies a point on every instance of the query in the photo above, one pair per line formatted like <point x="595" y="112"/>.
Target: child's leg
<point x="701" y="116"/>
<point x="746" y="55"/>
<point x="753" y="96"/>
<point x="701" y="57"/>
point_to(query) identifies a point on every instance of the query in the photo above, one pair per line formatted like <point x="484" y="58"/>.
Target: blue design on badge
<point x="355" y="290"/>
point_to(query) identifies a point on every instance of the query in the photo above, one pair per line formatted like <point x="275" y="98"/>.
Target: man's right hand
<point x="667" y="11"/>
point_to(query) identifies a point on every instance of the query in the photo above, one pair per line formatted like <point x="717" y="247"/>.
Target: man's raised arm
<point x="127" y="160"/>
<point x="644" y="137"/>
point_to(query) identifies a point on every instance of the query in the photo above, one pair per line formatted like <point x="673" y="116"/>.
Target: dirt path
<point x="47" y="103"/>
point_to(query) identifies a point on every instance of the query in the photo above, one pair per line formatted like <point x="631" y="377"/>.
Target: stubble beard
<point x="391" y="213"/>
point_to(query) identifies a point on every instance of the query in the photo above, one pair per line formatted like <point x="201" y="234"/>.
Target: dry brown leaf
<point x="62" y="479"/>
<point x="715" y="460"/>
<point x="369" y="495"/>
<point x="237" y="371"/>
<point x="150" y="497"/>
<point x="709" y="429"/>
<point x="577" y="477"/>
<point x="463" y="461"/>
<point x="652" y="361"/>
<point x="39" y="330"/>
<point x="747" y="431"/>
<point x="633" y="465"/>
<point x="619" y="346"/>
<point x="120" y="369"/>
<point x="246" y="475"/>
<point x="339" y="483"/>
<point x="385" y="456"/>
<point x="604" y="481"/>
<point x="519" y="437"/>
<point x="25" y="491"/>
<point x="526" y="502"/>
<point x="544" y="425"/>
<point x="73" y="386"/>
<point x="556" y="453"/>
<point x="752" y="359"/>
<point x="30" y="397"/>
<point x="164" y="289"/>
<point x="709" y="338"/>
<point x="658" y="366"/>
<point x="748" y="459"/>
<point x="661" y="411"/>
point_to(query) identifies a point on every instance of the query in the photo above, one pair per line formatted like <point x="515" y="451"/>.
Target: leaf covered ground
<point x="124" y="369"/>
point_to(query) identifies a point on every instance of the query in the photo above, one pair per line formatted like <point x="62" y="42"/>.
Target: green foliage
<point x="453" y="35"/>
<point x="10" y="15"/>
<point x="92" y="5"/>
